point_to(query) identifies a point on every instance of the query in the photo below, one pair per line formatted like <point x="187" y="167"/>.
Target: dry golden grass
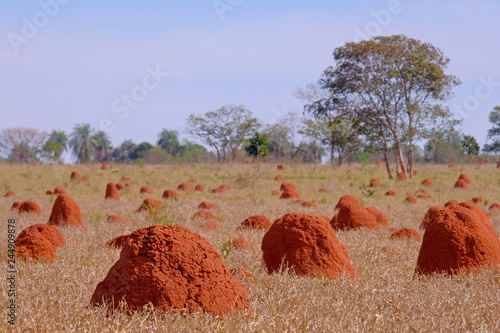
<point x="55" y="297"/>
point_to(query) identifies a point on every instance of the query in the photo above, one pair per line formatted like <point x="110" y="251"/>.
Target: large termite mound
<point x="151" y="205"/>
<point x="39" y="242"/>
<point x="146" y="190"/>
<point x="206" y="205"/>
<point x="289" y="191"/>
<point x="307" y="245"/>
<point x="459" y="239"/>
<point x="66" y="211"/>
<point x="281" y="167"/>
<point x="75" y="175"/>
<point x="256" y="222"/>
<point x="173" y="268"/>
<point x="111" y="192"/>
<point x="352" y="215"/>
<point x="460" y="184"/>
<point x="30" y="207"/>
<point x="465" y="178"/>
<point x="185" y="187"/>
<point x="427" y="182"/>
<point x="375" y="182"/>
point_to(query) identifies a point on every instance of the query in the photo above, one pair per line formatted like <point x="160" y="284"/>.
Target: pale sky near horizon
<point x="82" y="56"/>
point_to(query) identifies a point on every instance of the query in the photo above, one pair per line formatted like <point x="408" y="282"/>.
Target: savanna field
<point x="55" y="296"/>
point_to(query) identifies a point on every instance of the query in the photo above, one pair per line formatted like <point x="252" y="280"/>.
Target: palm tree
<point x="169" y="141"/>
<point x="102" y="145"/>
<point x="81" y="143"/>
<point x="56" y="144"/>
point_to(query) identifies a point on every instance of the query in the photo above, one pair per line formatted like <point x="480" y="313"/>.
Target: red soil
<point x="30" y="207"/>
<point x="66" y="212"/>
<point x="458" y="240"/>
<point x="173" y="268"/>
<point x="256" y="222"/>
<point x="185" y="187"/>
<point x="111" y="192"/>
<point x="406" y="233"/>
<point x="39" y="242"/>
<point x="308" y="246"/>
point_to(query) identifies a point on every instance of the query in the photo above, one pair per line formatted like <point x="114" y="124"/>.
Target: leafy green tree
<point x="444" y="147"/>
<point x="258" y="146"/>
<point x="398" y="80"/>
<point x="81" y="143"/>
<point x="140" y="150"/>
<point x="122" y="153"/>
<point x="494" y="132"/>
<point x="280" y="143"/>
<point x="56" y="144"/>
<point x="169" y="141"/>
<point x="102" y="145"/>
<point x="224" y="129"/>
<point x="470" y="146"/>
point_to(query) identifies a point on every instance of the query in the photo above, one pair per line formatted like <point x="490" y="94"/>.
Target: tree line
<point x="381" y="98"/>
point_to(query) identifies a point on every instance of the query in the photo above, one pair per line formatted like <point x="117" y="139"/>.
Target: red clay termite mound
<point x="49" y="192"/>
<point x="86" y="180"/>
<point x="422" y="191"/>
<point x="16" y="205"/>
<point x="9" y="194"/>
<point x="427" y="182"/>
<point x="411" y="199"/>
<point x="206" y="215"/>
<point x="375" y="182"/>
<point x="451" y="202"/>
<point x="430" y="215"/>
<point x="30" y="207"/>
<point x="498" y="165"/>
<point x="481" y="162"/>
<point x="120" y="186"/>
<point x="391" y="193"/>
<point x="307" y="245"/>
<point x="118" y="241"/>
<point x="281" y="167"/>
<point x="104" y="166"/>
<point x="173" y="268"/>
<point x="279" y="177"/>
<point x="170" y="194"/>
<point x="352" y="215"/>
<point x="452" y="165"/>
<point x="458" y="240"/>
<point x="243" y="243"/>
<point x="185" y="187"/>
<point x="75" y="174"/>
<point x="39" y="242"/>
<point x="460" y="184"/>
<point x="289" y="191"/>
<point x="309" y="204"/>
<point x="494" y="206"/>
<point x="275" y="192"/>
<point x="60" y="190"/>
<point x="199" y="188"/>
<point x="206" y="205"/>
<point x="212" y="225"/>
<point x="66" y="212"/>
<point x="111" y="192"/>
<point x="406" y="233"/>
<point x="151" y="205"/>
<point x="465" y="178"/>
<point x="477" y="200"/>
<point x="118" y="219"/>
<point x="323" y="190"/>
<point x="401" y="176"/>
<point x="379" y="162"/>
<point x="414" y="172"/>
<point x="256" y="222"/>
<point x="146" y="190"/>
<point x="221" y="188"/>
<point x="125" y="179"/>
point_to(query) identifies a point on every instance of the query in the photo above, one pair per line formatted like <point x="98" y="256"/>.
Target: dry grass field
<point x="54" y="296"/>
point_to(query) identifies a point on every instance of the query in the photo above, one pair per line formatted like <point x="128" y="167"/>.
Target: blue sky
<point x="87" y="54"/>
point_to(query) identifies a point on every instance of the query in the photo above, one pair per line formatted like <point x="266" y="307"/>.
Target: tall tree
<point x="56" y="144"/>
<point x="82" y="145"/>
<point x="470" y="146"/>
<point x="398" y="79"/>
<point x="169" y="141"/>
<point x="224" y="129"/>
<point x="102" y="145"/>
<point x="494" y="132"/>
<point x="22" y="145"/>
<point x="121" y="154"/>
